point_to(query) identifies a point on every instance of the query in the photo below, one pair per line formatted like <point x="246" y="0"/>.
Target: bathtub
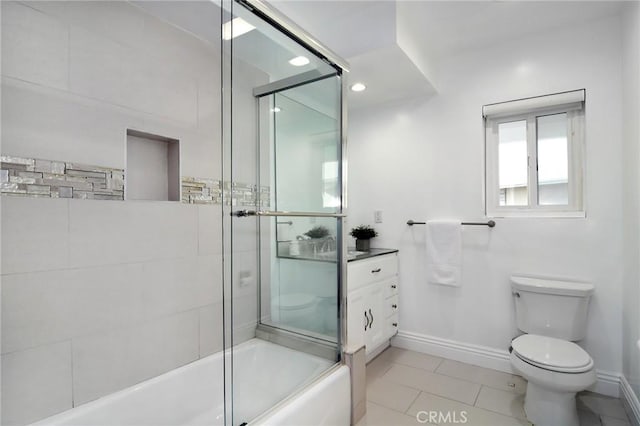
<point x="265" y="375"/>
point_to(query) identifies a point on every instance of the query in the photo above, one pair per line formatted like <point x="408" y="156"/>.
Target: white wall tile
<point x="34" y="234"/>
<point x="38" y="122"/>
<point x="35" y="47"/>
<point x="36" y="383"/>
<point x="211" y="330"/>
<point x="50" y="306"/>
<point x="108" y="232"/>
<point x="209" y="229"/>
<point x="117" y="20"/>
<point x="209" y="108"/>
<point x="245" y="295"/>
<point x="105" y="363"/>
<point x="103" y="69"/>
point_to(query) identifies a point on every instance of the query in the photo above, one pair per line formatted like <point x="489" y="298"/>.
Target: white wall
<point x="424" y="160"/>
<point x="631" y="210"/>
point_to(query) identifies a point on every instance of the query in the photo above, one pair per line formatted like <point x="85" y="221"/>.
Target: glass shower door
<point x="302" y="124"/>
<point x="282" y="218"/>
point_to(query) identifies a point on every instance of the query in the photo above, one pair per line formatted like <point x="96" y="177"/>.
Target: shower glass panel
<point x="282" y="220"/>
<point x="112" y="298"/>
<point x="303" y="124"/>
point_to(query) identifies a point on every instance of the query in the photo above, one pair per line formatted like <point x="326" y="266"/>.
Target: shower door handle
<point x="246" y="213"/>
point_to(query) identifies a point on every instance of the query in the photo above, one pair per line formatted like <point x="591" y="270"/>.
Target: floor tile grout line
<point x="483" y="384"/>
<point x="413" y="402"/>
<point x="439" y="374"/>
<point x="390" y="409"/>
<point x="475" y="401"/>
<point x="495" y="411"/>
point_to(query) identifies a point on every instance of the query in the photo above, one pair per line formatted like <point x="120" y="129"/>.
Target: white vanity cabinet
<point x="372" y="300"/>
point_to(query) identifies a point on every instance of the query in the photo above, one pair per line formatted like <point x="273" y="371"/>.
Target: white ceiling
<point x="393" y="46"/>
<point x="447" y="28"/>
<point x="442" y="27"/>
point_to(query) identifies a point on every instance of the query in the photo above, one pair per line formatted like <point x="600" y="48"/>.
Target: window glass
<point x="512" y="161"/>
<point x="553" y="164"/>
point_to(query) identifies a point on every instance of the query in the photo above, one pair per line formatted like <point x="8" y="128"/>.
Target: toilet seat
<point x="552" y="354"/>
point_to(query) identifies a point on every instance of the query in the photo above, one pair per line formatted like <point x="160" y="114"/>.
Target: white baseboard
<point x="630" y="401"/>
<point x="483" y="356"/>
<point x="468" y="353"/>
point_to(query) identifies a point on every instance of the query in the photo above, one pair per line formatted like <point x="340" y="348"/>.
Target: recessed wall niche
<point x="153" y="167"/>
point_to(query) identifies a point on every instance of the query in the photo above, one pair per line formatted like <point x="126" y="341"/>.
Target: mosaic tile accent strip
<point x="28" y="177"/>
<point x="201" y="190"/>
<point x="209" y="191"/>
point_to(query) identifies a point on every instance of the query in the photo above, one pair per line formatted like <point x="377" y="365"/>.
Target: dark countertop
<point x="352" y="254"/>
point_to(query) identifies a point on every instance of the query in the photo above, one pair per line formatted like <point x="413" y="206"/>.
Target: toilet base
<point x="546" y="407"/>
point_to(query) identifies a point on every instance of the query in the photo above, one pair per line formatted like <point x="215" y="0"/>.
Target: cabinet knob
<point x="395" y="324"/>
<point x="374" y="271"/>
<point x="394" y="306"/>
<point x="394" y="286"/>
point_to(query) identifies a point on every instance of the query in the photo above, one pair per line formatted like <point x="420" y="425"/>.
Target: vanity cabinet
<point x="372" y="301"/>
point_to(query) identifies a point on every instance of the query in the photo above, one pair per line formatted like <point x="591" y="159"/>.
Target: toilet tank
<point x="551" y="307"/>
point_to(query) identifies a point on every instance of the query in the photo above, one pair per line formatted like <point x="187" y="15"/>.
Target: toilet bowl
<point x="553" y="313"/>
<point x="556" y="370"/>
<point x="298" y="310"/>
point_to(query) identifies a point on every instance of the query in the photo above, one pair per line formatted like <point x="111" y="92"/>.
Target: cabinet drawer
<point x="392" y="326"/>
<point x="390" y="306"/>
<point x="363" y="272"/>
<point x="391" y="287"/>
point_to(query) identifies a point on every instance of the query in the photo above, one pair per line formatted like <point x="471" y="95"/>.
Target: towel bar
<point x="490" y="223"/>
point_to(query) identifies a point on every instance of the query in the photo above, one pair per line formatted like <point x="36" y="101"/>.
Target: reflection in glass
<point x="553" y="166"/>
<point x="302" y="126"/>
<point x="513" y="167"/>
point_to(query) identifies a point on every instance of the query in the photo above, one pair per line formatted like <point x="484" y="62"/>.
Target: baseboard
<point x="483" y="356"/>
<point x="630" y="401"/>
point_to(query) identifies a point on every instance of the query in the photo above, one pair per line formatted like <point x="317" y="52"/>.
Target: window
<point x="534" y="160"/>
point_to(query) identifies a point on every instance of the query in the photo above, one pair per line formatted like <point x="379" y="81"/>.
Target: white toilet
<point x="554" y="314"/>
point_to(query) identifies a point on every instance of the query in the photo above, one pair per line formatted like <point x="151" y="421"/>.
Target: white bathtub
<point x="265" y="374"/>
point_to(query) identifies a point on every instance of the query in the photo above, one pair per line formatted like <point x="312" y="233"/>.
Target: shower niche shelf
<point x="153" y="167"/>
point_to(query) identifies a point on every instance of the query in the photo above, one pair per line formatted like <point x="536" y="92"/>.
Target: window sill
<point x="533" y="214"/>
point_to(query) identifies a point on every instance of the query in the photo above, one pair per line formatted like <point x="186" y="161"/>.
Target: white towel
<point x="444" y="252"/>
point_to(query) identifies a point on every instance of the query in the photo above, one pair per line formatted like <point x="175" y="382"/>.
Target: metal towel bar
<point x="490" y="223"/>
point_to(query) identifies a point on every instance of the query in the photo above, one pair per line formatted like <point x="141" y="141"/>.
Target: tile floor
<point x="402" y="383"/>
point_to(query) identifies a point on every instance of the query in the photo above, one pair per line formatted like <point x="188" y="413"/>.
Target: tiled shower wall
<point x="87" y="284"/>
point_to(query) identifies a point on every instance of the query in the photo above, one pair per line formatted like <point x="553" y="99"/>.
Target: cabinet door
<point x="377" y="329"/>
<point x="356" y="319"/>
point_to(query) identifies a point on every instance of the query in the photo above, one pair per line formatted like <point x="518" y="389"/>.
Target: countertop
<point x="352" y="255"/>
<point x="359" y="255"/>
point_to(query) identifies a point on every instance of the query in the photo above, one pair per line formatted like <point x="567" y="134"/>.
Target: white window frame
<point x="576" y="164"/>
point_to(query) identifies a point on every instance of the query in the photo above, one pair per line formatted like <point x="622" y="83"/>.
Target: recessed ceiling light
<point x="275" y="109"/>
<point x="358" y="87"/>
<point x="299" y="61"/>
<point x="235" y="28"/>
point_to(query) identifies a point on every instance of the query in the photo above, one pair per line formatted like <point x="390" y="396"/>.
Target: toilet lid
<point x="552" y="354"/>
<point x="296" y="301"/>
